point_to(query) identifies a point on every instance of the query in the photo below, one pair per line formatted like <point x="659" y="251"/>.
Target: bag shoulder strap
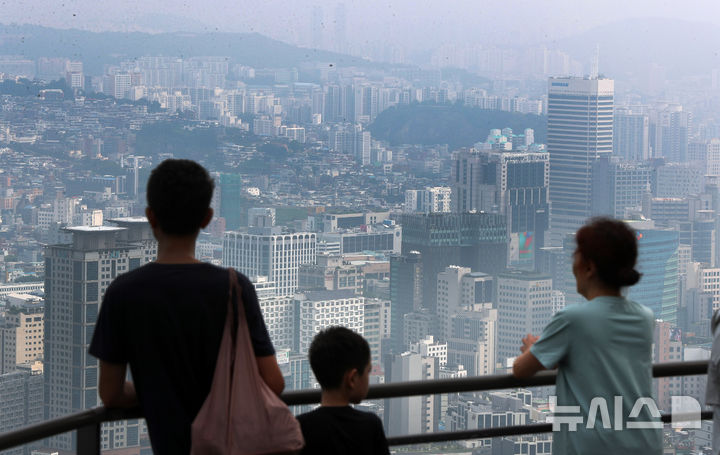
<point x="236" y="307"/>
<point x="242" y="341"/>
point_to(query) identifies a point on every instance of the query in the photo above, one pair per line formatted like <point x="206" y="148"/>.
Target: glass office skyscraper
<point x="659" y="286"/>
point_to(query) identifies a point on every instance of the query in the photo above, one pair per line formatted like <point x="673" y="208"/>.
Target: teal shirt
<point x="602" y="348"/>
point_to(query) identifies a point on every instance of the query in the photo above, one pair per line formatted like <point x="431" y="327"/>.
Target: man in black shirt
<point x="166" y="319"/>
<point x="340" y="359"/>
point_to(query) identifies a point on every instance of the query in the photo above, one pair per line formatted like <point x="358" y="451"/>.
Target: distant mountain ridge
<point x="628" y="48"/>
<point x="96" y="49"/>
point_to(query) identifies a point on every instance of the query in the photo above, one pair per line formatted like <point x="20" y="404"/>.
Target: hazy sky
<point x="410" y="23"/>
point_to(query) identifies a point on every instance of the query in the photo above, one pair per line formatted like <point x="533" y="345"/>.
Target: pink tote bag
<point x="241" y="415"/>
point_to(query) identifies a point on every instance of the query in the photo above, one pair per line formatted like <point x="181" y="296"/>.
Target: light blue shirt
<point x="602" y="349"/>
<point x="712" y="392"/>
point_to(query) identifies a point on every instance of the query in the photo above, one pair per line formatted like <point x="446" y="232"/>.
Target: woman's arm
<point x="527" y="364"/>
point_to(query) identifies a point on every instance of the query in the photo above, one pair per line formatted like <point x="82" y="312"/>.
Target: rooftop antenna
<point x="594" y="69"/>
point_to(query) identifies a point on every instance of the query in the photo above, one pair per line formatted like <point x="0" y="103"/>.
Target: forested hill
<point x="455" y="125"/>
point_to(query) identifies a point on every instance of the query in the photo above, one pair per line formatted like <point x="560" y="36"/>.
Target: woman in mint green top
<point x="602" y="349"/>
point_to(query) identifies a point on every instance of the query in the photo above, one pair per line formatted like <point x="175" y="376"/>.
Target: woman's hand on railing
<point x="528" y="341"/>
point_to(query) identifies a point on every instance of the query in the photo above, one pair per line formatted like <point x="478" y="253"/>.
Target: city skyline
<point x="425" y="197"/>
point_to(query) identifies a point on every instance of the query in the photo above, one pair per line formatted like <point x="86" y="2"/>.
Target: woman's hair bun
<point x="627" y="277"/>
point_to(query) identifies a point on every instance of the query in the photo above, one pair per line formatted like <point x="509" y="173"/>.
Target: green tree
<point x="275" y="151"/>
<point x="455" y="125"/>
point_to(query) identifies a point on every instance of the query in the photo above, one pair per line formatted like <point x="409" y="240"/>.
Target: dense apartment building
<point x="270" y="252"/>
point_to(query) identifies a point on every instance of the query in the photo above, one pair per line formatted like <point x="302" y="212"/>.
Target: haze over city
<point x="415" y="171"/>
<point x="412" y="24"/>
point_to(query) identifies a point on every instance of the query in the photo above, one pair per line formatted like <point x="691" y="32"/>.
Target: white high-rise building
<point x="678" y="180"/>
<point x="473" y="340"/>
<point x="117" y="85"/>
<point x="296" y="133"/>
<point x="458" y="289"/>
<point x="323" y="309"/>
<point x="376" y="328"/>
<point x="580" y="130"/>
<point x="385" y="237"/>
<point x="707" y="153"/>
<point x="710" y="284"/>
<point x="414" y="414"/>
<point x="415" y="326"/>
<point x="558" y="301"/>
<point x="61" y="210"/>
<point x="630" y="135"/>
<point x="432" y="199"/>
<point x="448" y="296"/>
<point x="670" y="129"/>
<point x="76" y="277"/>
<point x="628" y="184"/>
<point x="279" y="316"/>
<point x="351" y="140"/>
<point x="694" y="386"/>
<point x="279" y="313"/>
<point x="430" y="347"/>
<point x="413" y="201"/>
<point x="525" y="305"/>
<point x="88" y="217"/>
<point x="268" y="252"/>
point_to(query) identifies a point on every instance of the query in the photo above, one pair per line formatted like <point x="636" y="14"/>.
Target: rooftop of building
<point x="479" y="275"/>
<point x="129" y="220"/>
<point x="524" y="275"/>
<point x="267" y="232"/>
<point x="338" y="294"/>
<point x="93" y="229"/>
<point x="579" y="78"/>
<point x="368" y="229"/>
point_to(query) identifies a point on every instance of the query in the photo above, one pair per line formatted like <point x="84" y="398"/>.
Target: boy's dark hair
<point x="335" y="351"/>
<point x="179" y="194"/>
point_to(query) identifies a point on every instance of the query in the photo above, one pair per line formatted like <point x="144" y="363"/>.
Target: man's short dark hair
<point x="179" y="194"/>
<point x="335" y="351"/>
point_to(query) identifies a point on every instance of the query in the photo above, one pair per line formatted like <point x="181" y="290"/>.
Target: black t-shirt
<point x="166" y="321"/>
<point x="330" y="430"/>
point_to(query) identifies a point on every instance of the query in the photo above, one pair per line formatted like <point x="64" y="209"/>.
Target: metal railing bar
<point x="51" y="428"/>
<point x="495" y="432"/>
<point x="477" y="383"/>
<point x="484" y="433"/>
<point x="435" y="386"/>
<point x="493" y="382"/>
<point x="690" y="368"/>
<point x="65" y="424"/>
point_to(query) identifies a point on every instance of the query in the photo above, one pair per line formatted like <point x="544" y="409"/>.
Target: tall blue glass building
<point x="659" y="287"/>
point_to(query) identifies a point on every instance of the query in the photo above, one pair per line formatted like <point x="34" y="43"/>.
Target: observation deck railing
<point x="87" y="423"/>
